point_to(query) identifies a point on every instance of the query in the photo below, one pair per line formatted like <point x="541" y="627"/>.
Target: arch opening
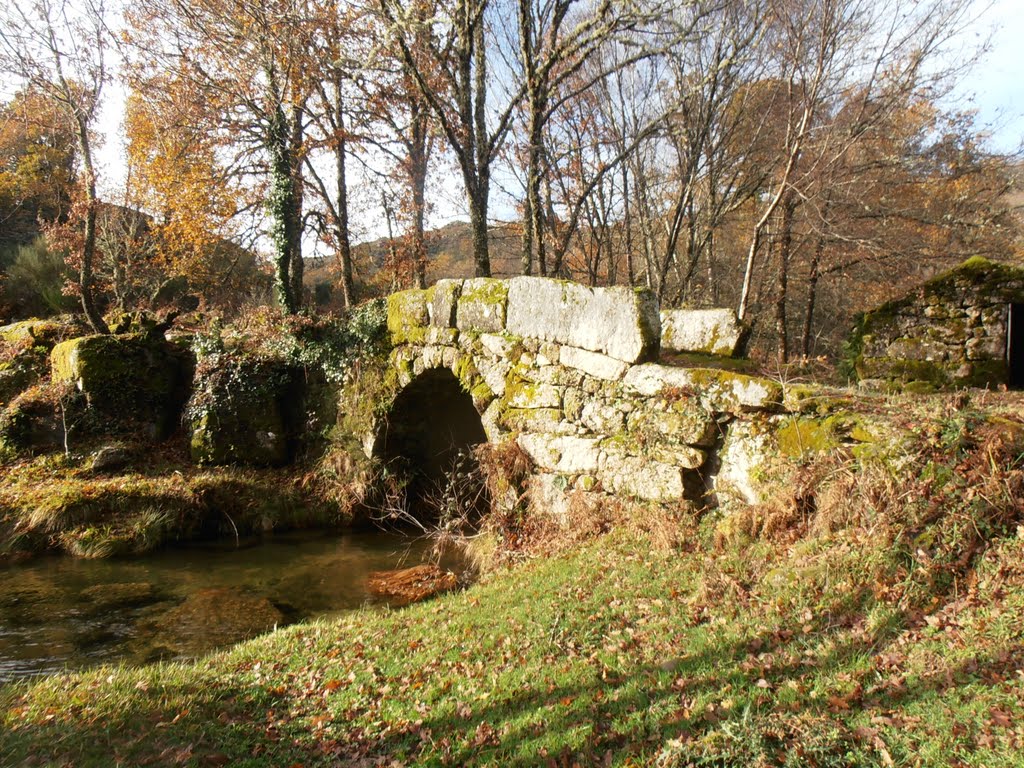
<point x="1015" y="345"/>
<point x="427" y="442"/>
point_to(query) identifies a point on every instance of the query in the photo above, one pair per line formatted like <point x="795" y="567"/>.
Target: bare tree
<point x="820" y="51"/>
<point x="58" y="48"/>
<point x="448" y="56"/>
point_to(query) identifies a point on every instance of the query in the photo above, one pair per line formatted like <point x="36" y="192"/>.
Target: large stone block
<point x="593" y="363"/>
<point x="562" y="453"/>
<point x="245" y="411"/>
<point x="482" y="305"/>
<point x="444" y="297"/>
<point x="130" y="378"/>
<point x="748" y="448"/>
<point x="704" y="331"/>
<point x="643" y="478"/>
<point x="408" y="316"/>
<point x="619" y="322"/>
<point x="717" y="390"/>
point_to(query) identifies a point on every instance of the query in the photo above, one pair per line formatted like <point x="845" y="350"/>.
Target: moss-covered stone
<point x="801" y="437"/>
<point x="42" y="418"/>
<point x="130" y="379"/>
<point x="950" y="332"/>
<point x="482" y="305"/>
<point x="408" y="317"/>
<point x="40" y="332"/>
<point x="245" y="411"/>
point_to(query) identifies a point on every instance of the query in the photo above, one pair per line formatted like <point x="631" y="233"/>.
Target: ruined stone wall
<point x="950" y="332"/>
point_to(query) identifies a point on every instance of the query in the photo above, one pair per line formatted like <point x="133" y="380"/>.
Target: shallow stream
<point x="59" y="612"/>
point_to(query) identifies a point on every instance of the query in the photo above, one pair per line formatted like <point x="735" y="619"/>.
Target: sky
<point x="995" y="89"/>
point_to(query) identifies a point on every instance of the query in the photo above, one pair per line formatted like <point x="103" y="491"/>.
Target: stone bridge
<point x="571" y="373"/>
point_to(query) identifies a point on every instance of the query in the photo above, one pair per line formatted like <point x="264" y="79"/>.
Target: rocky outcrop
<point x="244" y="410"/>
<point x="24" y="353"/>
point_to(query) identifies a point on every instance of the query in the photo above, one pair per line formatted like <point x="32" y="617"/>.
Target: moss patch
<point x="129" y="379"/>
<point x="408" y="317"/>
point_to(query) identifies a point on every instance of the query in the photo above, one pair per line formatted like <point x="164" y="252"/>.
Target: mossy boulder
<point x="24" y="353"/>
<point x="34" y="332"/>
<point x="245" y="411"/>
<point x="132" y="380"/>
<point x="42" y="418"/>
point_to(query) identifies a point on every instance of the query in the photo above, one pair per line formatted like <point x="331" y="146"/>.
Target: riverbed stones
<point x="216" y="617"/>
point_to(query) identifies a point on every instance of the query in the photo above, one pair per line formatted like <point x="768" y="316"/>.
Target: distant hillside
<point x="450" y="254"/>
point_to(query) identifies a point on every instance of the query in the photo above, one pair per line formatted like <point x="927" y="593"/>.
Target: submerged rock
<point x="103" y="596"/>
<point x="216" y="617"/>
<point x="410" y="585"/>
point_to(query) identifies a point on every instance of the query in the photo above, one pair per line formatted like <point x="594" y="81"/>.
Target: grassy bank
<point x="868" y="614"/>
<point x="613" y="655"/>
<point x="859" y="621"/>
<point x="58" y="502"/>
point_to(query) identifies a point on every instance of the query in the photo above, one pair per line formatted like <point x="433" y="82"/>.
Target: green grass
<point x="617" y="654"/>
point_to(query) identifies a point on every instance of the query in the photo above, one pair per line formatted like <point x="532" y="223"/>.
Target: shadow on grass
<point x="650" y="715"/>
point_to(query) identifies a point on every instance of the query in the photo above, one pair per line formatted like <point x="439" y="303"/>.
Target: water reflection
<point x="61" y="612"/>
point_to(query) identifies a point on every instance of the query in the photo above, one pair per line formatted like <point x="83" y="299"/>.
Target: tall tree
<point x="58" y="48"/>
<point x="38" y="157"/>
<point x="448" y="55"/>
<point x="244" y="65"/>
<point x="818" y="52"/>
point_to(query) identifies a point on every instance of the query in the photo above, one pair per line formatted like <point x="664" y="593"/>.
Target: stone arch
<point x="426" y="438"/>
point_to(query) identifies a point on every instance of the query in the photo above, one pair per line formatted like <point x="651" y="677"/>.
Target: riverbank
<point x="59" y="502"/>
<point x="868" y="616"/>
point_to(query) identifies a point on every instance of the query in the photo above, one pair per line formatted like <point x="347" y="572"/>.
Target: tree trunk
<point x="340" y="156"/>
<point x="295" y="213"/>
<point x="481" y="189"/>
<point x="630" y="270"/>
<point x="782" y="285"/>
<point x="418" y="152"/>
<point x="92" y="314"/>
<point x="812" y="280"/>
<point x="281" y="207"/>
<point x="478" y="222"/>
